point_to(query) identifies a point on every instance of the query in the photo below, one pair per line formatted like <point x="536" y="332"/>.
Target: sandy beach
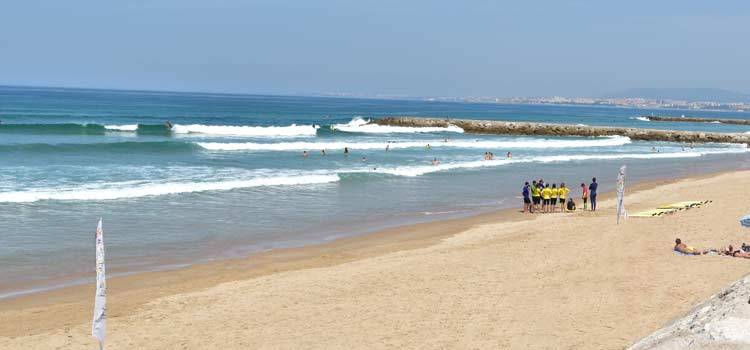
<point x="500" y="280"/>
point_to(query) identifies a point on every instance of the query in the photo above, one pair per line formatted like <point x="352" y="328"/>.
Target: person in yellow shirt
<point x="563" y="196"/>
<point x="554" y="193"/>
<point x="536" y="194"/>
<point x="546" y="195"/>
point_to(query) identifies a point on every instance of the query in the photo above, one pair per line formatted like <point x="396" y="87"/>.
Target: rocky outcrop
<point x="547" y="129"/>
<point x="722" y="322"/>
<point x="697" y="120"/>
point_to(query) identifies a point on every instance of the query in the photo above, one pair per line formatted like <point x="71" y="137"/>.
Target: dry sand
<point x="556" y="281"/>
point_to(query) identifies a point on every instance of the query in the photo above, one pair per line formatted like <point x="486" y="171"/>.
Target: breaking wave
<point x="361" y="125"/>
<point x="418" y="170"/>
<point x="251" y="131"/>
<point x="126" y="190"/>
<point x="126" y="127"/>
<point x="609" y="141"/>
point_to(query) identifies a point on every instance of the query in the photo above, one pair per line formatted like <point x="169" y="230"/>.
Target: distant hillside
<point x="685" y="94"/>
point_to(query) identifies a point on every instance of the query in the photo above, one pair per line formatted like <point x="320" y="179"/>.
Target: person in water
<point x="584" y="194"/>
<point x="304" y="154"/>
<point x="435" y="161"/>
<point x="346" y="151"/>
<point x="387" y="147"/>
<point x="592" y="193"/>
<point x="168" y="125"/>
<point x="526" y="193"/>
<point x="323" y="152"/>
<point x="509" y="155"/>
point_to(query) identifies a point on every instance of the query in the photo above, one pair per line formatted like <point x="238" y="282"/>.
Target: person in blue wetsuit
<point x="526" y="192"/>
<point x="592" y="193"/>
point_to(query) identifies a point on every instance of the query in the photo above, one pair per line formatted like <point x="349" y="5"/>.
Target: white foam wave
<point x="487" y="145"/>
<point x="251" y="131"/>
<point x="363" y="126"/>
<point x="418" y="170"/>
<point x="157" y="189"/>
<point x="715" y="122"/>
<point x="126" y="127"/>
<point x="643" y="119"/>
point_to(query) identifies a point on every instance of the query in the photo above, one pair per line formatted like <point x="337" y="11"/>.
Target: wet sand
<point x="500" y="280"/>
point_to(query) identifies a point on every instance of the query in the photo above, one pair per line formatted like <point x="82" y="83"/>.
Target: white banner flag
<point x="620" y="193"/>
<point x="99" y="325"/>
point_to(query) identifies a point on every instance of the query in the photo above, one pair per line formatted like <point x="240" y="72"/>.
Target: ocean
<point x="230" y="177"/>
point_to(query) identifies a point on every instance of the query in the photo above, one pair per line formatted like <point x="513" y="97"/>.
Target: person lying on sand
<point x="686" y="249"/>
<point x="737" y="253"/>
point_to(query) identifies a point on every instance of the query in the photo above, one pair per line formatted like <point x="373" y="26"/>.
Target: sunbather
<point x="686" y="249"/>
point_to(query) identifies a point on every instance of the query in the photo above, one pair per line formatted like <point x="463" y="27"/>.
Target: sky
<point x="397" y="48"/>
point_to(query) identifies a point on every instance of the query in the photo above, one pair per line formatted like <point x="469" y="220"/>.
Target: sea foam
<point x="419" y="170"/>
<point x="126" y="127"/>
<point x="251" y="131"/>
<point x="609" y="141"/>
<point x="360" y="125"/>
<point x="127" y="190"/>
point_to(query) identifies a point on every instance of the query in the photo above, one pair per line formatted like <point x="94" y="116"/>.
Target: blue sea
<point x="230" y="177"/>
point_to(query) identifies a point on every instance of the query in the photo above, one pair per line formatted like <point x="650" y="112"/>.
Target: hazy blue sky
<point x="415" y="48"/>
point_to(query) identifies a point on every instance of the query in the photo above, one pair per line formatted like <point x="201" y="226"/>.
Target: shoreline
<point x="340" y="250"/>
<point x="10" y="290"/>
<point x="28" y="315"/>
<point x="139" y="287"/>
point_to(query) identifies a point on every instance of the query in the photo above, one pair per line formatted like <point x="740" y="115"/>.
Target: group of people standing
<point x="543" y="197"/>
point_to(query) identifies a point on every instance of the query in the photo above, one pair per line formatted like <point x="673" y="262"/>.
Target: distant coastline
<point x="604" y="102"/>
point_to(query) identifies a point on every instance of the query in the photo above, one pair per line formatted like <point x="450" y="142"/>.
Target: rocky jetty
<point x="722" y="322"/>
<point x="660" y="118"/>
<point x="547" y="129"/>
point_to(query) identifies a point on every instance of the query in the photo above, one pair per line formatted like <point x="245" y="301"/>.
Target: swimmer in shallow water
<point x="435" y="161"/>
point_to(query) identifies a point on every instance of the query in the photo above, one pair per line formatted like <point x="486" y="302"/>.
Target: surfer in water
<point x="346" y="151"/>
<point x="168" y="125"/>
